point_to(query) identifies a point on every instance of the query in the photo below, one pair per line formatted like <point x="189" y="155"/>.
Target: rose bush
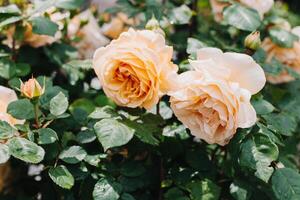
<point x="139" y="99"/>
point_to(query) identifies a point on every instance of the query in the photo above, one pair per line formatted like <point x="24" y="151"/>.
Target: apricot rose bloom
<point x="7" y="96"/>
<point x="287" y="56"/>
<point x="32" y="89"/>
<point x="213" y="100"/>
<point x="261" y="6"/>
<point x="136" y="69"/>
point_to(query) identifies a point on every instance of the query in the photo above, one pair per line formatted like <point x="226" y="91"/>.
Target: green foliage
<point x="242" y="18"/>
<point x="89" y="148"/>
<point x="43" y="26"/>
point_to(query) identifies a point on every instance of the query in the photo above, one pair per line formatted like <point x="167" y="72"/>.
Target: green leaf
<point x="105" y="190"/>
<point x="240" y="191"/>
<point x="76" y="70"/>
<point x="181" y="15"/>
<point x="47" y="136"/>
<point x="73" y="154"/>
<point x="43" y="26"/>
<point x="286" y="184"/>
<point x="10" y="20"/>
<point x="132" y="169"/>
<point x="4" y="153"/>
<point x="7" y="69"/>
<point x="204" y="190"/>
<point x="59" y="104"/>
<point x="62" y="177"/>
<point x="283" y="123"/>
<point x="85" y="136"/>
<point x="283" y="37"/>
<point x="10" y="9"/>
<point x="175" y="194"/>
<point x="21" y="109"/>
<point x="22" y="69"/>
<point x="103" y="113"/>
<point x="175" y="130"/>
<point x="262" y="106"/>
<point x="26" y="150"/>
<point x="193" y="45"/>
<point x="257" y="153"/>
<point x="69" y="4"/>
<point x="112" y="133"/>
<point x="127" y="196"/>
<point x="241" y="17"/>
<point x="6" y="131"/>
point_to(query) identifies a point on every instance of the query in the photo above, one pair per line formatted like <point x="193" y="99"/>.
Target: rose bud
<point x="32" y="88"/>
<point x="153" y="25"/>
<point x="253" y="41"/>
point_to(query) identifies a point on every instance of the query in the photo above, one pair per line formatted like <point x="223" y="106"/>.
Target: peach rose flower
<point x="261" y="6"/>
<point x="287" y="56"/>
<point x="136" y="69"/>
<point x="213" y="100"/>
<point x="117" y="25"/>
<point x="7" y="96"/>
<point x="30" y="38"/>
<point x="90" y="35"/>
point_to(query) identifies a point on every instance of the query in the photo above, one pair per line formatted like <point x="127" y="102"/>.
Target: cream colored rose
<point x="288" y="56"/>
<point x="90" y="35"/>
<point x="136" y="69"/>
<point x="7" y="96"/>
<point x="213" y="100"/>
<point x="261" y="6"/>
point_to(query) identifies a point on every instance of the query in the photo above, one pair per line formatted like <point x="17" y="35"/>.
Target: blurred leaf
<point x="175" y="194"/>
<point x="284" y="123"/>
<point x="47" y="136"/>
<point x="103" y="113"/>
<point x="43" y="26"/>
<point x="61" y="176"/>
<point x="11" y="9"/>
<point x="4" y="153"/>
<point x="105" y="190"/>
<point x="262" y="106"/>
<point x="193" y="45"/>
<point x="241" y="17"/>
<point x="6" y="130"/>
<point x="73" y="154"/>
<point x="7" y="68"/>
<point x="204" y="190"/>
<point x="286" y="184"/>
<point x="283" y="37"/>
<point x="59" y="104"/>
<point x="240" y="191"/>
<point x="26" y="150"/>
<point x="76" y="69"/>
<point x="85" y="136"/>
<point x="114" y="135"/>
<point x="181" y="15"/>
<point x="257" y="153"/>
<point x="21" y="109"/>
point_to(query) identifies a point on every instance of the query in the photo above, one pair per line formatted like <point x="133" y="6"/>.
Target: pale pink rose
<point x="7" y="96"/>
<point x="136" y="69"/>
<point x="90" y="35"/>
<point x="287" y="56"/>
<point x="213" y="100"/>
<point x="261" y="6"/>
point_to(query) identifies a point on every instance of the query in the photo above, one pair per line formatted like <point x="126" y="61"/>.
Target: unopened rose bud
<point x="153" y="25"/>
<point x="253" y="41"/>
<point x="32" y="88"/>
